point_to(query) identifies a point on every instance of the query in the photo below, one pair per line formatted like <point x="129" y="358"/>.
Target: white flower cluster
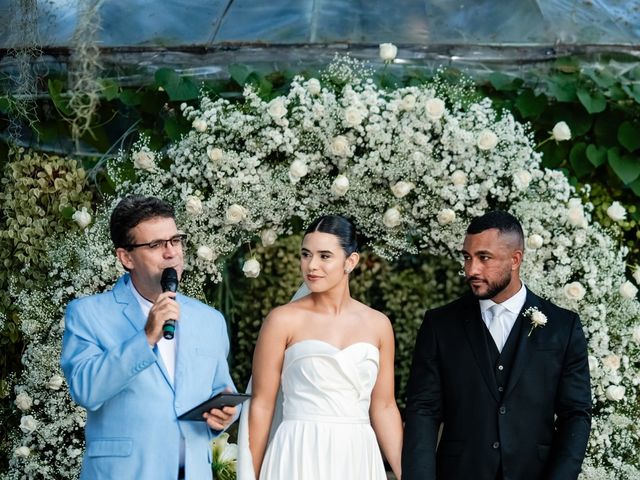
<point x="412" y="167"/>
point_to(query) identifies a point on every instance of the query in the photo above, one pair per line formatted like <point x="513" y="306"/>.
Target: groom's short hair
<point x="503" y="221"/>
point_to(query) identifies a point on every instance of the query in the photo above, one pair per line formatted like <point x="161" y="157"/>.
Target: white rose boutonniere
<point x="538" y="319"/>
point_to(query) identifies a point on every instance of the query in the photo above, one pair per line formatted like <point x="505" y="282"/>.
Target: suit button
<point x="502" y="410"/>
<point x="500" y="367"/>
<point x="496" y="445"/>
<point x="501" y="389"/>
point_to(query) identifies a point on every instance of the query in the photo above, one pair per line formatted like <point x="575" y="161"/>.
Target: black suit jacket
<point x="537" y="428"/>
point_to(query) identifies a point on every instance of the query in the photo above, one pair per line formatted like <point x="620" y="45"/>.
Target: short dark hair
<point x="341" y="227"/>
<point x="499" y="219"/>
<point x="132" y="210"/>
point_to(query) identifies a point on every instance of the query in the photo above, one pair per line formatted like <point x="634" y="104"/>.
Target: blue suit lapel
<point x="132" y="311"/>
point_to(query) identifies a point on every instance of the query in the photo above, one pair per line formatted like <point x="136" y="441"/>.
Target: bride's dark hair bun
<point x="341" y="227"/>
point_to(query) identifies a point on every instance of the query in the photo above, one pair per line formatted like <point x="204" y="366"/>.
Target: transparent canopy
<point x="180" y="23"/>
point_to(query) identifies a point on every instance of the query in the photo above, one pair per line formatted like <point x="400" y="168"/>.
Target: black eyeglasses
<point x="175" y="241"/>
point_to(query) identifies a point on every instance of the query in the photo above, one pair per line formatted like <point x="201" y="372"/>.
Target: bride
<point x="332" y="357"/>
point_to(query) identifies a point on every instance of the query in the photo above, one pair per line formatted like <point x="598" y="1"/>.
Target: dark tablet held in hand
<point x="223" y="399"/>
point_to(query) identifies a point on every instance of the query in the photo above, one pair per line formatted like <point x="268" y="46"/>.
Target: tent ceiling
<point x="179" y="23"/>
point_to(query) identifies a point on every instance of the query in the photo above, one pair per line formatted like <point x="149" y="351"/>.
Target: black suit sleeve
<point x="423" y="413"/>
<point x="573" y="410"/>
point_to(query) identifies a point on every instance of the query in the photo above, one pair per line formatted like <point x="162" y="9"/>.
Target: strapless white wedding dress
<point x="325" y="431"/>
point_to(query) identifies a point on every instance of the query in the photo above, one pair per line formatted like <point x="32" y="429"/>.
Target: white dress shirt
<point x="512" y="307"/>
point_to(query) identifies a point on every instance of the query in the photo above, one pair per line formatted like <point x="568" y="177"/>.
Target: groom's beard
<point x="492" y="288"/>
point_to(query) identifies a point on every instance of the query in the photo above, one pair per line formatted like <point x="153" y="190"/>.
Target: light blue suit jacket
<point x="132" y="430"/>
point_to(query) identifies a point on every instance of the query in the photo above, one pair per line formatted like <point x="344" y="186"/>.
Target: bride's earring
<point x="347" y="270"/>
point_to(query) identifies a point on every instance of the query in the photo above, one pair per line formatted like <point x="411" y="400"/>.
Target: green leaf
<point x="629" y="135"/>
<point x="67" y="212"/>
<point x="604" y="78"/>
<point x="55" y="90"/>
<point x="239" y="73"/>
<point x="579" y="161"/>
<point x="130" y="97"/>
<point x="531" y="105"/>
<point x="553" y="154"/>
<point x="635" y="187"/>
<point x="502" y="82"/>
<point x="593" y="101"/>
<point x="563" y="87"/>
<point x="596" y="155"/>
<point x="606" y="128"/>
<point x="627" y="168"/>
<point x="174" y="129"/>
<point x="4" y="104"/>
<point x="178" y="88"/>
<point x="110" y="89"/>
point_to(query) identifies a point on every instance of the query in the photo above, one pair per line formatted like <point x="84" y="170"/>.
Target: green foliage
<point x="37" y="193"/>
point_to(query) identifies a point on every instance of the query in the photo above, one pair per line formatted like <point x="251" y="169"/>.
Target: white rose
<point x="205" y="253"/>
<point x="215" y="154"/>
<point x="534" y="241"/>
<point x="388" y="52"/>
<point x="636" y="334"/>
<point x="297" y="170"/>
<point x="340" y="146"/>
<point x="615" y="392"/>
<point x="352" y="116"/>
<point x="22" y="452"/>
<point x="82" y="217"/>
<point x="402" y="188"/>
<point x="446" y="216"/>
<point x="251" y="268"/>
<point x="340" y="186"/>
<point x="616" y="212"/>
<point x="23" y="401"/>
<point x="55" y="382"/>
<point x="235" y="214"/>
<point x="199" y="125"/>
<point x="487" y="140"/>
<point x="459" y="178"/>
<point x="276" y="108"/>
<point x="636" y="275"/>
<point x="435" y="109"/>
<point x="408" y="102"/>
<point x="313" y="86"/>
<point x="593" y="363"/>
<point x="538" y="319"/>
<point x="522" y="179"/>
<point x="628" y="290"/>
<point x="574" y="291"/>
<point x="28" y="424"/>
<point x="144" y="160"/>
<point x="575" y="216"/>
<point x="193" y="205"/>
<point x="612" y="362"/>
<point x="561" y="132"/>
<point x="268" y="237"/>
<point x="392" y="218"/>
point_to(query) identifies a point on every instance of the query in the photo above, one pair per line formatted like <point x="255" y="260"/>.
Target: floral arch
<point x="412" y="166"/>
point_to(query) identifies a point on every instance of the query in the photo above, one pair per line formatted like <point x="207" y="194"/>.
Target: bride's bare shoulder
<point x="286" y="314"/>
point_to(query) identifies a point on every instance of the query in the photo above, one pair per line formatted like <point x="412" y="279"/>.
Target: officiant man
<point x="503" y="372"/>
<point x="134" y="382"/>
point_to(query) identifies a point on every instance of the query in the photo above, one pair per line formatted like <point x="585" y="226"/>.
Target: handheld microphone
<point x="169" y="283"/>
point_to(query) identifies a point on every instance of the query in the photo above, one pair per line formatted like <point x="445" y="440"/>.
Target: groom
<point x="510" y="392"/>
